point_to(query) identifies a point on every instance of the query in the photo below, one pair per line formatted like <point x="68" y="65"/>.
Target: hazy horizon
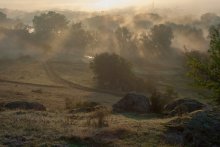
<point x="187" y="6"/>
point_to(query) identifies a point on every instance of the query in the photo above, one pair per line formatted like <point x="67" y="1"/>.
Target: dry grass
<point x="99" y="118"/>
<point x="78" y="103"/>
<point x="25" y="71"/>
<point x="41" y="128"/>
<point x="79" y="73"/>
<point x="49" y="128"/>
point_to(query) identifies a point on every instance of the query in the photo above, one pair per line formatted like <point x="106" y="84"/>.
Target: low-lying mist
<point x="138" y="35"/>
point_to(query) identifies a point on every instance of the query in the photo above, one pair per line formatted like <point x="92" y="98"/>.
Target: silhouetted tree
<point x="158" y="40"/>
<point x="48" y="24"/>
<point x="127" y="44"/>
<point x="114" y="72"/>
<point x="78" y="38"/>
<point x="14" y="42"/>
<point x="209" y="19"/>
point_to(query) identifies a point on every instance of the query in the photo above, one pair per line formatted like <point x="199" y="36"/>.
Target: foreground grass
<point x="57" y="126"/>
<point x="48" y="128"/>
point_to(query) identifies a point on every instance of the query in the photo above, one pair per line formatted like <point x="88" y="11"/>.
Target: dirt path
<point x="30" y="84"/>
<point x="56" y="78"/>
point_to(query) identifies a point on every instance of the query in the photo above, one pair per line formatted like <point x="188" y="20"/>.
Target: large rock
<point x="203" y="130"/>
<point x="25" y="105"/>
<point x="198" y="129"/>
<point x="132" y="102"/>
<point x="182" y="106"/>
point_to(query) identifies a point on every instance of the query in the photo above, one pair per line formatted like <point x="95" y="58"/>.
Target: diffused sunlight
<point x="97" y="5"/>
<point x="110" y="4"/>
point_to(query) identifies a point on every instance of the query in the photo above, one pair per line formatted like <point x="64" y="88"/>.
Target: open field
<point x="50" y="128"/>
<point x="56" y="123"/>
<point x="56" y="126"/>
<point x="31" y="81"/>
<point x="79" y="73"/>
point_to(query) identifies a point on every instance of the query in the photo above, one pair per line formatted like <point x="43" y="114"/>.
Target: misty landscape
<point x="98" y="73"/>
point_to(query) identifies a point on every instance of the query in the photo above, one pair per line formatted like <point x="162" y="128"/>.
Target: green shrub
<point x="205" y="70"/>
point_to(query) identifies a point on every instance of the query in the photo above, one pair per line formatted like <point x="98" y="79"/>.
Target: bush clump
<point x="159" y="100"/>
<point x="114" y="72"/>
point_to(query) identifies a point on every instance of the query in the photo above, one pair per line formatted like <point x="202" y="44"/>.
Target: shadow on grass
<point x="75" y="141"/>
<point x="141" y="116"/>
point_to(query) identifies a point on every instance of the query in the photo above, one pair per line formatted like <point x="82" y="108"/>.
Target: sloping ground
<point x="58" y="127"/>
<point x="52" y="97"/>
<point x="162" y="76"/>
<point x="77" y="72"/>
<point x="72" y="84"/>
<point x="25" y="71"/>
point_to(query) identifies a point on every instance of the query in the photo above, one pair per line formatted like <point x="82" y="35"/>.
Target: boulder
<point x="25" y="105"/>
<point x="183" y="106"/>
<point x="134" y="103"/>
<point x="200" y="129"/>
<point x="203" y="130"/>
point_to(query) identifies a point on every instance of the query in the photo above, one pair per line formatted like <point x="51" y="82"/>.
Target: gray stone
<point x="134" y="103"/>
<point x="183" y="106"/>
<point x="198" y="129"/>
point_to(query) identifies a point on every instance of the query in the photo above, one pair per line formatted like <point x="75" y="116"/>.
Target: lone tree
<point x="205" y="70"/>
<point x="50" y="23"/>
<point x="114" y="72"/>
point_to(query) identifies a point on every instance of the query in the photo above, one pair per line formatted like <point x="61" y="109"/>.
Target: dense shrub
<point x="159" y="100"/>
<point x="114" y="72"/>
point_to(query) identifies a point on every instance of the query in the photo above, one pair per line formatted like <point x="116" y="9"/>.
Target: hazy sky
<point x="199" y="5"/>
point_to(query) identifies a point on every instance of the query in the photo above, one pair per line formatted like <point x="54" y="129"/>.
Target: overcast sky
<point x="198" y="5"/>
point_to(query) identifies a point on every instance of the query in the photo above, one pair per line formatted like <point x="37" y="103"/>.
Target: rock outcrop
<point x="134" y="103"/>
<point x="183" y="106"/>
<point x="200" y="129"/>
